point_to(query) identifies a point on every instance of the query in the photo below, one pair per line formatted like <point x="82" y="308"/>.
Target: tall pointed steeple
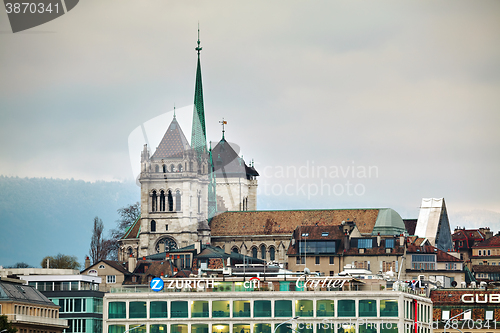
<point x="198" y="134"/>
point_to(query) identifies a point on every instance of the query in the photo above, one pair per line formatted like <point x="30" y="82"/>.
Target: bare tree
<point x="99" y="246"/>
<point x="128" y="215"/>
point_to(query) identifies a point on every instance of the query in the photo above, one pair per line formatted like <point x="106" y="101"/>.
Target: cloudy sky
<point x="340" y="104"/>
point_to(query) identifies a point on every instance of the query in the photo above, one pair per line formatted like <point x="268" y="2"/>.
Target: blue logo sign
<point x="156" y="284"/>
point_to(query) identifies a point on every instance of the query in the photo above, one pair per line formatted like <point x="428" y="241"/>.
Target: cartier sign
<point x="481" y="298"/>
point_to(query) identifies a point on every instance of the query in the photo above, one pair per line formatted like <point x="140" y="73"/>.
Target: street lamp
<point x="289" y="320"/>
<point x="127" y="330"/>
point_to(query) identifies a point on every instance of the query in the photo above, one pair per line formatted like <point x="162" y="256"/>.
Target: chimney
<point x="401" y="240"/>
<point x="131" y="263"/>
<point x="347" y="245"/>
<point x="378" y="239"/>
<point x="197" y="247"/>
<point x="87" y="262"/>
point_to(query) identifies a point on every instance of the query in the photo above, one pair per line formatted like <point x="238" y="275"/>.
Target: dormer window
<point x="102" y="266"/>
<point x="324" y="234"/>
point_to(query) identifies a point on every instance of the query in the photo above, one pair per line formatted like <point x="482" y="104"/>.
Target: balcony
<point x="35" y="320"/>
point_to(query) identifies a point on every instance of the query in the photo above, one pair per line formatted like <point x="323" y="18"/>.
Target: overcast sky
<point x="407" y="90"/>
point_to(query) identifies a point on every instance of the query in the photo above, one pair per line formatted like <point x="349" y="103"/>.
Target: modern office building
<point x="325" y="304"/>
<point x="78" y="297"/>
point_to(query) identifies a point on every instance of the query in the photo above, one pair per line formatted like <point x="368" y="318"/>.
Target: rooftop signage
<point x="480" y="298"/>
<point x="327" y="282"/>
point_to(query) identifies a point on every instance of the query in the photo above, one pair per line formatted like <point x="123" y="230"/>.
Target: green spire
<point x="198" y="134"/>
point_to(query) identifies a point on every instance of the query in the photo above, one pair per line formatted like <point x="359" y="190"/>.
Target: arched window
<point x="263" y="251"/>
<point x="199" y="202"/>
<point x="129" y="251"/>
<point x="185" y="166"/>
<point x="190" y="166"/>
<point x="153" y="226"/>
<point x="157" y="168"/>
<point x="272" y="254"/>
<point x="164" y="168"/>
<point x="170" y="201"/>
<point x="172" y="168"/>
<point x="178" y="201"/>
<point x="254" y="252"/>
<point x="179" y="168"/>
<point x="154" y="200"/>
<point x="162" y="201"/>
<point x="235" y="250"/>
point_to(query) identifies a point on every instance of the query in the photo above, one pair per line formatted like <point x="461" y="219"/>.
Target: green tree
<point x="61" y="261"/>
<point x="5" y="325"/>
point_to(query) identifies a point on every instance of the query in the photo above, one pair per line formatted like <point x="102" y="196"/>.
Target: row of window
<point x="155" y="199"/>
<point x="84" y="325"/>
<point x="263" y="252"/>
<point x="299" y="327"/>
<point x="488" y="315"/>
<point x="35" y="311"/>
<point x="78" y="305"/>
<point x="261" y="308"/>
<point x="64" y="285"/>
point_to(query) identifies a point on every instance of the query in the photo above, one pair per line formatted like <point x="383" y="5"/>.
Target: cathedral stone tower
<point x="180" y="183"/>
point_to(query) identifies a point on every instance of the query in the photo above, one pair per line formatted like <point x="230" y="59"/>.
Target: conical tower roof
<point x="173" y="144"/>
<point x="198" y="134"/>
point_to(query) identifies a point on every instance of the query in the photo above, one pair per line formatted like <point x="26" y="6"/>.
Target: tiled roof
<point x="317" y="232"/>
<point x="173" y="144"/>
<point x="410" y="225"/>
<point x="441" y="256"/>
<point x="491" y="242"/>
<point x="486" y="268"/>
<point x="133" y="230"/>
<point x="285" y="221"/>
<point x="145" y="269"/>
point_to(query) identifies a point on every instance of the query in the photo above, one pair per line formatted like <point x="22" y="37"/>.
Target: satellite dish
<point x="307" y="271"/>
<point x="454" y="284"/>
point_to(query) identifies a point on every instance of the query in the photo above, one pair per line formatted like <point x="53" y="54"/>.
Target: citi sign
<point x="481" y="298"/>
<point x="252" y="283"/>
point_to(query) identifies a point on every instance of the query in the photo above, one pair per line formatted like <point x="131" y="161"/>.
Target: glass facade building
<point x="264" y="311"/>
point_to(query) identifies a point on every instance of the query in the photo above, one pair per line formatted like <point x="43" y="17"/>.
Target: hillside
<point x="40" y="216"/>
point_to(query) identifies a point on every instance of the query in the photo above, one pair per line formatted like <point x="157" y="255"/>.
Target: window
<point x="332" y="260"/>
<point x="346" y="308"/>
<point x="162" y="201"/>
<point x="166" y="227"/>
<point x="110" y="278"/>
<point x="365" y="243"/>
<point x="220" y="309"/>
<point x="300" y="260"/>
<point x="272" y="254"/>
<point x="137" y="309"/>
<point x="179" y="309"/>
<point x="389" y="243"/>
<point x="241" y="308"/>
<point x="489" y="252"/>
<point x="489" y="315"/>
<point x="178" y="201"/>
<point x="324" y="234"/>
<point x="388" y="308"/>
<point x="367" y="308"/>
<point x="263" y="251"/>
<point x="153" y="226"/>
<point x="304" y="308"/>
<point x="325" y="308"/>
<point x="254" y="252"/>
<point x="235" y="250"/>
<point x="317" y="260"/>
<point x="445" y="314"/>
<point x="283" y="308"/>
<point x="102" y="266"/>
<point x="262" y="308"/>
<point x="116" y="310"/>
<point x="170" y="201"/>
<point x="179" y="168"/>
<point x="480" y="252"/>
<point x="199" y="309"/>
<point x="154" y="200"/>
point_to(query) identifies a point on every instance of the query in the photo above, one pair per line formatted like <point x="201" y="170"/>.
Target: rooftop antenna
<point x="198" y="48"/>
<point x="223" y="122"/>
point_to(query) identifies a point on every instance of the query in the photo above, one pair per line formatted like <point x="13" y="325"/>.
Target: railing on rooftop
<point x="36" y="320"/>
